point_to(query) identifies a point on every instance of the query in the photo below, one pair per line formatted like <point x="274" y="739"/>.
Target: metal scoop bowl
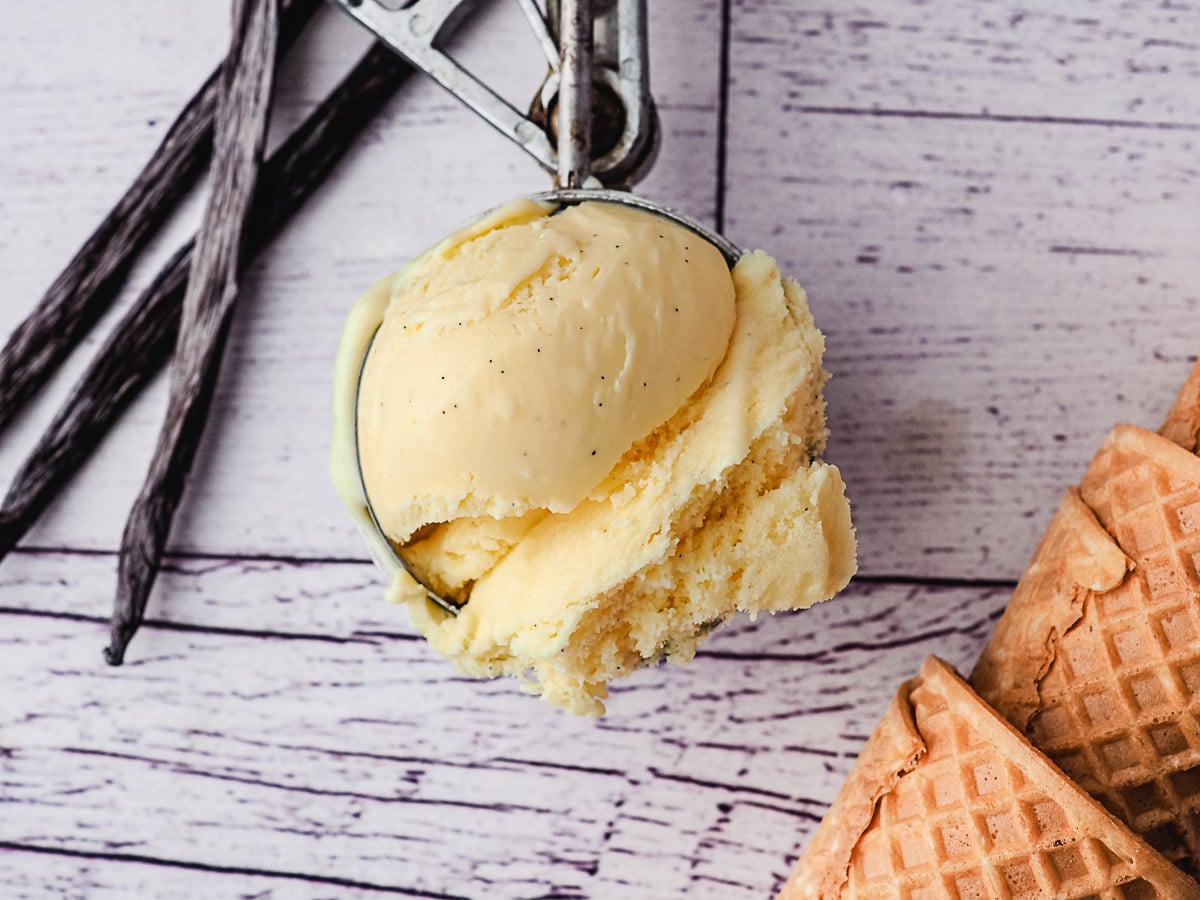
<point x="573" y="77"/>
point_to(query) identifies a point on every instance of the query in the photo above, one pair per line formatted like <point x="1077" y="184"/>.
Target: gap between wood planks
<point x="806" y="809"/>
<point x="370" y="637"/>
<point x="945" y="115"/>
<point x="288" y="559"/>
<point x="723" y="116"/>
<point x="375" y="635"/>
<point x="138" y="859"/>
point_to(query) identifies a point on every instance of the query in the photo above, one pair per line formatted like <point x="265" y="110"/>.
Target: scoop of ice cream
<point x="516" y="366"/>
<point x="706" y="495"/>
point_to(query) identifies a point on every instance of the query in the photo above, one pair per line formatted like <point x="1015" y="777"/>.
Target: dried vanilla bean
<point x="135" y="350"/>
<point x="142" y="342"/>
<point x="85" y="289"/>
<point x="240" y="131"/>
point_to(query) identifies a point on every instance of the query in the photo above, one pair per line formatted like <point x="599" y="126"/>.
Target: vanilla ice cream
<point x="587" y="429"/>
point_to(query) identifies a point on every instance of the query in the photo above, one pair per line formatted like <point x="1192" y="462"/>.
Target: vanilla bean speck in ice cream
<point x="588" y="429"/>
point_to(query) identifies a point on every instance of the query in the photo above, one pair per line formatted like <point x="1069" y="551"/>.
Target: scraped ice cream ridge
<point x="587" y="427"/>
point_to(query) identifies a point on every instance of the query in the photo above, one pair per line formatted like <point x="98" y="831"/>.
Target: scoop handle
<point x="574" y="109"/>
<point x="617" y="66"/>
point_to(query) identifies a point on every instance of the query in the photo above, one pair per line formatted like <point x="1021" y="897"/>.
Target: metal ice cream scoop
<point x="593" y="124"/>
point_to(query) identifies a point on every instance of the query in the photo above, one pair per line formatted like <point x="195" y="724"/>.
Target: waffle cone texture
<point x="1070" y="766"/>
<point x="948" y="800"/>
<point x="1097" y="657"/>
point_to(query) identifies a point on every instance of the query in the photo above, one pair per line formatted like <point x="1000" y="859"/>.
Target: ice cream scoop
<point x="519" y="358"/>
<point x="589" y="431"/>
<point x="515" y="348"/>
<point x="616" y="74"/>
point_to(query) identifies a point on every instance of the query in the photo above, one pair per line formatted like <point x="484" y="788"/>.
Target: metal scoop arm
<point x="620" y="73"/>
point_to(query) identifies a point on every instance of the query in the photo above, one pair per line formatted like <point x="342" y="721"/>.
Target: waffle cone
<point x="947" y="800"/>
<point x="1182" y="425"/>
<point x="1097" y="657"/>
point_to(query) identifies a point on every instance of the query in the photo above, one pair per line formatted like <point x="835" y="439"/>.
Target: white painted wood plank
<point x="996" y="292"/>
<point x="369" y="760"/>
<point x="428" y="165"/>
<point x="36" y="875"/>
<point x="331" y="601"/>
<point x="995" y="297"/>
<point x="1122" y="60"/>
<point x="343" y="601"/>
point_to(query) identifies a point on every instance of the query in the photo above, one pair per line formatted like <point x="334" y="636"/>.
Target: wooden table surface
<point x="995" y="208"/>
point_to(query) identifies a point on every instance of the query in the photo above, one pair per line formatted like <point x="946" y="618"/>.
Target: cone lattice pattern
<point x="1096" y="663"/>
<point x="970" y="810"/>
<point x="970" y="820"/>
<point x="1118" y="706"/>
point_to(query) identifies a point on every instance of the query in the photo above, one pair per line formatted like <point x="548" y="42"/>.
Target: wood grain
<point x="994" y="209"/>
<point x="995" y="295"/>
<point x="345" y="750"/>
<point x="87" y="286"/>
<point x="392" y="197"/>
<point x="37" y="873"/>
<point x="139" y="344"/>
<point x="1107" y="61"/>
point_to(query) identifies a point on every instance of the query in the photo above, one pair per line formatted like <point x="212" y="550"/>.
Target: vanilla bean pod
<point x="314" y="152"/>
<point x="135" y="350"/>
<point x="240" y="130"/>
<point x="142" y="342"/>
<point x="85" y="289"/>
